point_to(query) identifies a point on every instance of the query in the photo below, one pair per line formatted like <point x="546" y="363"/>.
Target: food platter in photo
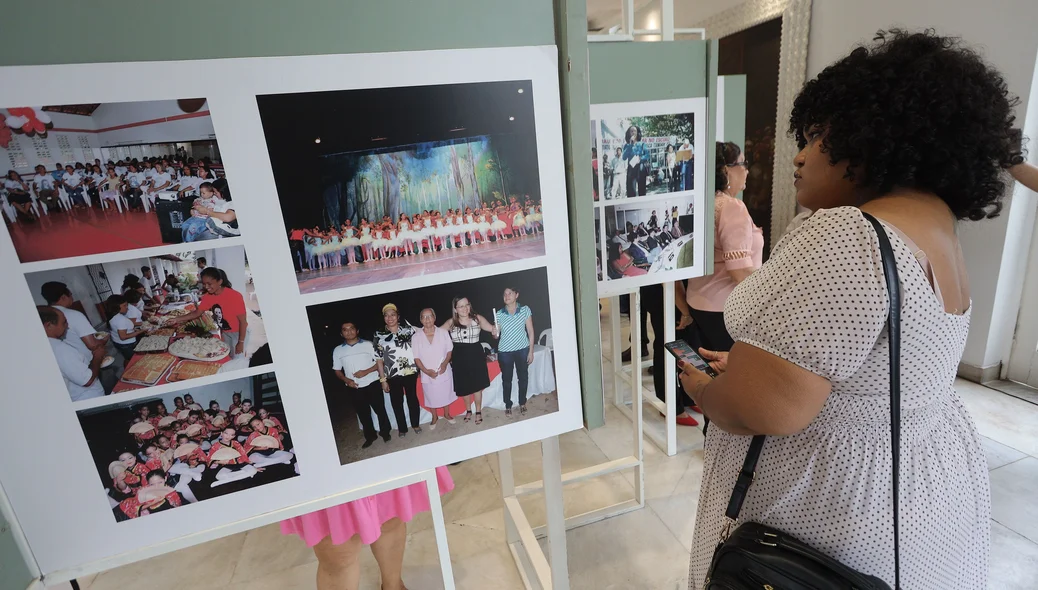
<point x="101" y="335"/>
<point x="200" y="349"/>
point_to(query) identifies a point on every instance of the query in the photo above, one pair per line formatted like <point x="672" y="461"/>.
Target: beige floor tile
<point x="1013" y="497"/>
<point x="1014" y="560"/>
<point x="205" y="566"/>
<point x="1003" y="418"/>
<point x="998" y="454"/>
<point x="475" y="491"/>
<point x="479" y="557"/>
<point x="634" y="551"/>
<point x="266" y="551"/>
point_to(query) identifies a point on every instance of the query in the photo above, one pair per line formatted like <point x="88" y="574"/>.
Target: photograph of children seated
<point x="390" y="183"/>
<point x="95" y="178"/>
<point x="163" y="452"/>
<point x="121" y="326"/>
<point x="434" y="363"/>
<point x="649" y="237"/>
<point x="639" y="156"/>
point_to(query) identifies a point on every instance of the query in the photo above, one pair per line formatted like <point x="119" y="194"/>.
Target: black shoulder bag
<point x="757" y="557"/>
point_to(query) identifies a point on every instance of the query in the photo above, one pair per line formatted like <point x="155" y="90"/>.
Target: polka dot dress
<point x="821" y="302"/>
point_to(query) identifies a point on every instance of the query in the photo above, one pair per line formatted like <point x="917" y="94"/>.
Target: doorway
<point x="754" y="52"/>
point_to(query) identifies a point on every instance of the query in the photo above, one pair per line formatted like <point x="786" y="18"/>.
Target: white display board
<point x="50" y="471"/>
<point x="649" y="175"/>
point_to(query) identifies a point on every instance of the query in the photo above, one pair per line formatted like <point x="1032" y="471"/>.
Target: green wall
<point x="14" y="574"/>
<point x="120" y="30"/>
<point x="675" y="69"/>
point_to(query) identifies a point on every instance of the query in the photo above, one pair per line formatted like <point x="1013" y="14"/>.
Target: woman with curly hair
<point x="916" y="130"/>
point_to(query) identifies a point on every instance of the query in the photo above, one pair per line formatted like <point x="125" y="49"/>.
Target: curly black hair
<point x="916" y="110"/>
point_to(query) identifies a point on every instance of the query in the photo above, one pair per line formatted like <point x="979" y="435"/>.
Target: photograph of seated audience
<point x="115" y="327"/>
<point x="438" y="362"/>
<point x="116" y="176"/>
<point x="160" y="453"/>
<point x="390" y="183"/>
<point x="648" y="238"/>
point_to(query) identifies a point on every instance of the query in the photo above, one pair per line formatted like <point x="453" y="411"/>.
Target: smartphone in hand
<point x="684" y="352"/>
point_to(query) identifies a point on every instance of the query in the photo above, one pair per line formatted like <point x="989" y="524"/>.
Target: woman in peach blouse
<point x="738" y="251"/>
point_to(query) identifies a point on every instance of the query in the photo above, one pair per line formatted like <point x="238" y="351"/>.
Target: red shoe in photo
<point x="687" y="421"/>
<point x="697" y="410"/>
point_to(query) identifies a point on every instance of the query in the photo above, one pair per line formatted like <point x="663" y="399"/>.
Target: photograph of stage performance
<point x="643" y="156"/>
<point x="96" y="178"/>
<point x="163" y="452"/>
<point x="394" y="183"/>
<point x="433" y="363"/>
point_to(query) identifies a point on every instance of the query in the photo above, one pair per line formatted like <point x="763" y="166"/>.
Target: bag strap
<point x="749" y="466"/>
<point x="894" y="345"/>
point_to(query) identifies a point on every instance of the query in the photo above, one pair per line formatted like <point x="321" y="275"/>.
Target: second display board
<point x="648" y="168"/>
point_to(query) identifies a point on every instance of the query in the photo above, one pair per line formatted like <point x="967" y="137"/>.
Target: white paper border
<point x="698" y="107"/>
<point x="70" y="528"/>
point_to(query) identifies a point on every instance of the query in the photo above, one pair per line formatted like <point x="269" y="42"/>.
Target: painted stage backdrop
<point x="435" y="175"/>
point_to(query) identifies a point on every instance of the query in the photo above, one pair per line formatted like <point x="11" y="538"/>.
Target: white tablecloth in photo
<point x="541" y="380"/>
<point x="668" y="258"/>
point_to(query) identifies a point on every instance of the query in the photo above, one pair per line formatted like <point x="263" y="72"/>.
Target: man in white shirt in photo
<point x="79" y="371"/>
<point x="355" y="365"/>
<point x="45" y="187"/>
<point x="73" y="183"/>
<point x="133" y="185"/>
<point x="80" y="330"/>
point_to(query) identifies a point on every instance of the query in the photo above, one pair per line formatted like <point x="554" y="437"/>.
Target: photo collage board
<point x="244" y="299"/>
<point x="648" y="165"/>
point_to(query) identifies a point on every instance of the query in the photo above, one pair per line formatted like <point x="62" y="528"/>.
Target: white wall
<point x="78" y="281"/>
<point x="221" y="392"/>
<point x="1004" y="32"/>
<point x="115" y="114"/>
<point x="106" y="116"/>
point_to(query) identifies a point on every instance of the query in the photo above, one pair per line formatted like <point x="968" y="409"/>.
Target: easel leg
<point x="440" y="530"/>
<point x="552" y="473"/>
<point x="670" y="370"/>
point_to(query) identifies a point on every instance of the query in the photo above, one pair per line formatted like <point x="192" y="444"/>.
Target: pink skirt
<point x="365" y="516"/>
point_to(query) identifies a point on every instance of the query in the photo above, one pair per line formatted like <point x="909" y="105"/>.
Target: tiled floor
<point x="647" y="549"/>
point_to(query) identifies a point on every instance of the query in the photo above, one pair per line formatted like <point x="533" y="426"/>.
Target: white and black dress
<point x="468" y="360"/>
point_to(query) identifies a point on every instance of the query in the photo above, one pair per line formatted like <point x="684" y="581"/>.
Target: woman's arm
<point x="681" y="301"/>
<point x="243" y="326"/>
<point x="484" y="324"/>
<point x="190" y="316"/>
<point x="446" y="363"/>
<point x="227" y="216"/>
<point x="382" y="373"/>
<point x="759" y="393"/>
<point x="739" y="274"/>
<point x="1026" y="174"/>
<point x="529" y="334"/>
<point x="448" y="324"/>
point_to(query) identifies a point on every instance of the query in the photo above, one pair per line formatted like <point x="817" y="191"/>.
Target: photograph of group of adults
<point x="142" y="322"/>
<point x="160" y="453"/>
<point x="433" y="363"/>
<point x="645" y="238"/>
<point x="392" y="183"/>
<point x="94" y="178"/>
<point x="642" y="156"/>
